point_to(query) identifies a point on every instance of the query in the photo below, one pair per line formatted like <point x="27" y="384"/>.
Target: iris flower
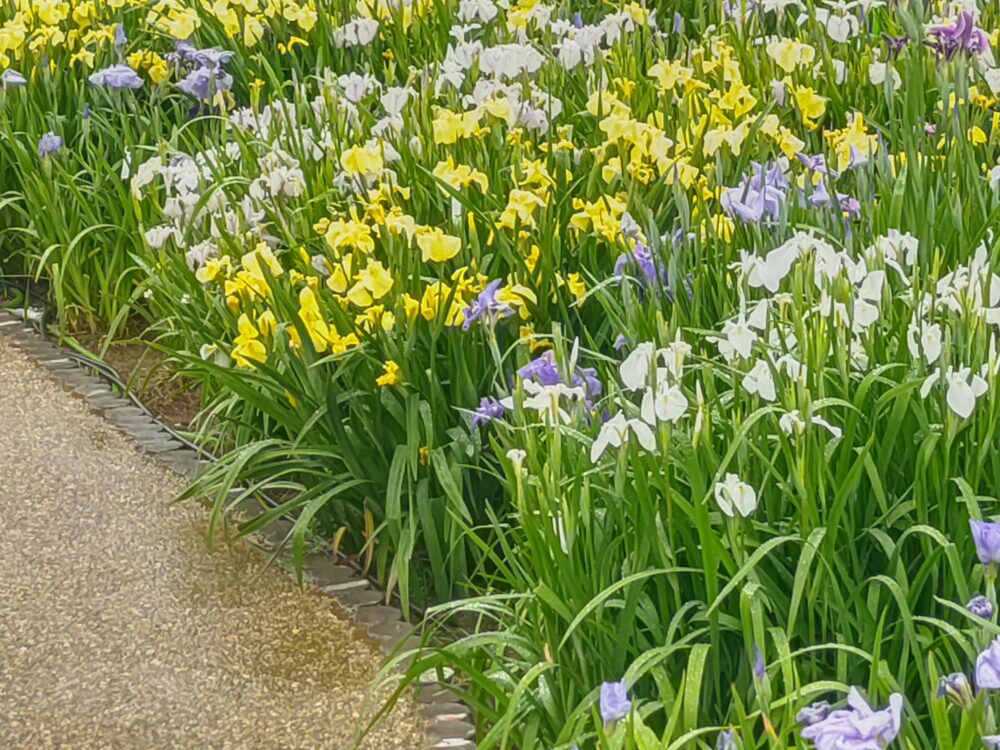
<point x="116" y="77"/>
<point x="859" y="726"/>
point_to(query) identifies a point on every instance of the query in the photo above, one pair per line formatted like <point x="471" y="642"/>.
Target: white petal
<point x="598" y="447"/>
<point x="635" y="368"/>
<point x="835" y="431"/>
<point x="758" y="316"/>
<point x="647" y="411"/>
<point x="871" y="287"/>
<point x="929" y="383"/>
<point x="671" y="404"/>
<point x="745" y="499"/>
<point x="645" y="435"/>
<point x="722" y="498"/>
<point x="979" y="386"/>
<point x="961" y="398"/>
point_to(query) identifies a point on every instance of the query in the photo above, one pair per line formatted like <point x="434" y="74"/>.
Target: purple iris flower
<point x="489" y="409"/>
<point x="116" y="77"/>
<point x="813" y="714"/>
<point x="759" y="668"/>
<point x="726" y="741"/>
<point x="816" y="164"/>
<point x="760" y="194"/>
<point x="48" y="144"/>
<point x="212" y="57"/>
<point x="986" y="535"/>
<point x="961" y="36"/>
<point x="850" y="206"/>
<point x="486" y="306"/>
<point x="86" y="111"/>
<point x="820" y="196"/>
<point x="641" y="260"/>
<point x="578" y="20"/>
<point x="980" y="606"/>
<point x="956" y="688"/>
<point x="857" y="727"/>
<point x="184" y="52"/>
<point x="615" y="704"/>
<point x="587" y="377"/>
<point x="543" y="370"/>
<point x="895" y="44"/>
<point x="988" y="667"/>
<point x="120" y="39"/>
<point x="11" y="79"/>
<point x="620" y="342"/>
<point x="204" y="83"/>
<point x="204" y="74"/>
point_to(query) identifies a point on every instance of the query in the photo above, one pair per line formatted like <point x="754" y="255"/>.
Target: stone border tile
<point x="449" y="723"/>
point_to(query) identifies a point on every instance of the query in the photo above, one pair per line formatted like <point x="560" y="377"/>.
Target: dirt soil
<point x="173" y="399"/>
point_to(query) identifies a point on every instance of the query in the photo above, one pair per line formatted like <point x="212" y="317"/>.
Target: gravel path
<point x="121" y="628"/>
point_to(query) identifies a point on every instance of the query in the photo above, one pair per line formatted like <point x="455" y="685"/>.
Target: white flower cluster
<point x="852" y="295"/>
<point x="657" y="373"/>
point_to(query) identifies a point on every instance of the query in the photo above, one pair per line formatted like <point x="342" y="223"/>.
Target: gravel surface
<point x="120" y="627"/>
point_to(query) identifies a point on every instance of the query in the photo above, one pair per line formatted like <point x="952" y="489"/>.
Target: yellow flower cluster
<point x="82" y="29"/>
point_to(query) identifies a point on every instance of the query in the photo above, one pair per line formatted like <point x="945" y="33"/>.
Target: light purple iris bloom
<point x="813" y="714"/>
<point x="116" y="77"/>
<point x="48" y="144"/>
<point x="587" y="377"/>
<point x="210" y="57"/>
<point x="120" y="39"/>
<point x="980" y="606"/>
<point x="820" y="196"/>
<point x="956" y="688"/>
<point x="759" y="668"/>
<point x="859" y="726"/>
<point x="988" y="667"/>
<point x="850" y="206"/>
<point x="489" y="409"/>
<point x="961" y="36"/>
<point x="615" y="704"/>
<point x="759" y="195"/>
<point x="213" y="57"/>
<point x="816" y="164"/>
<point x="204" y="83"/>
<point x="543" y="370"/>
<point x="486" y="307"/>
<point x="205" y="76"/>
<point x="11" y="79"/>
<point x="986" y="535"/>
<point x="642" y="260"/>
<point x="726" y="740"/>
<point x="993" y="740"/>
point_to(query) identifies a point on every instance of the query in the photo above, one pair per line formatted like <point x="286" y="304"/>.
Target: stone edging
<point x="449" y="723"/>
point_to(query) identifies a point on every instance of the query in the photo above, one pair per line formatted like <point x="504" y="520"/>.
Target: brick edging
<point x="449" y="724"/>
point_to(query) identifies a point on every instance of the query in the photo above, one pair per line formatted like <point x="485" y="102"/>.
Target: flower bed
<point x="656" y="347"/>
